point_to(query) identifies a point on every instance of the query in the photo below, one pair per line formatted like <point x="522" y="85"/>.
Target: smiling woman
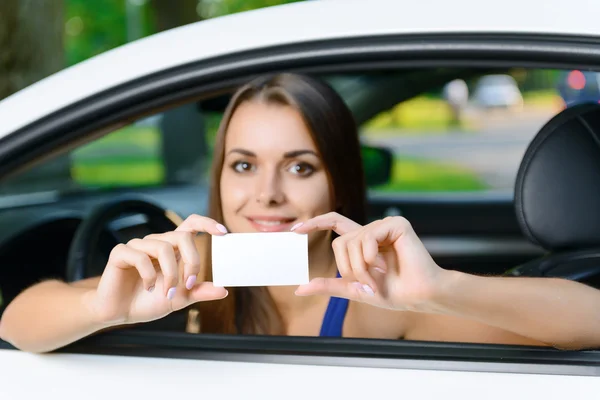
<point x="295" y="137"/>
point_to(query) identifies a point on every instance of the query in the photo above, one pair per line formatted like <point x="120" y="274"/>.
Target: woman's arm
<point x="50" y="315"/>
<point x="144" y="280"/>
<point x="386" y="265"/>
<point x="557" y="312"/>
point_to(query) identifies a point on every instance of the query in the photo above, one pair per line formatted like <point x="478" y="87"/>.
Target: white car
<point x="497" y="91"/>
<point x="136" y="123"/>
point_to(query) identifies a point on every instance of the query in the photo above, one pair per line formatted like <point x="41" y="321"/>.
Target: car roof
<point x="286" y="24"/>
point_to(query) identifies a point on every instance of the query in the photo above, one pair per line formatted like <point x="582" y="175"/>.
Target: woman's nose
<point x="269" y="189"/>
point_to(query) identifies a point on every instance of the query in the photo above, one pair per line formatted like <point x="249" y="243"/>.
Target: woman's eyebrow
<point x="289" y="154"/>
<point x="242" y="151"/>
<point x="296" y="153"/>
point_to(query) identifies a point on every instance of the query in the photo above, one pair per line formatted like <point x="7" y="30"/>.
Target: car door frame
<point x="97" y="115"/>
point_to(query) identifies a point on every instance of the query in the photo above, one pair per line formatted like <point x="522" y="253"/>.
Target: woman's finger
<point x="371" y="246"/>
<point x="197" y="223"/>
<point x="184" y="243"/>
<point x="206" y="291"/>
<point x="359" y="265"/>
<point x="342" y="258"/>
<point x="336" y="287"/>
<point x="388" y="230"/>
<point x="327" y="222"/>
<point x="165" y="254"/>
<point x="124" y="257"/>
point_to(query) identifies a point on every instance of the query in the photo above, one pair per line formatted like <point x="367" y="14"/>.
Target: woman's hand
<point x="149" y="278"/>
<point x="383" y="263"/>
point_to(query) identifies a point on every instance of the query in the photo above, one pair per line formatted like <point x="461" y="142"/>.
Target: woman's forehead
<point x="260" y="125"/>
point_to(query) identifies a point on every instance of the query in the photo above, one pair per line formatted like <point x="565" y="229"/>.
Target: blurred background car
<point x="497" y="91"/>
<point x="576" y="87"/>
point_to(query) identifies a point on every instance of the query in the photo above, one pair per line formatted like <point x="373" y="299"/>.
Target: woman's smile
<point x="263" y="223"/>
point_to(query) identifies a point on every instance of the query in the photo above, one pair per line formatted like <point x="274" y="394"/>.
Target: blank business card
<point x="260" y="259"/>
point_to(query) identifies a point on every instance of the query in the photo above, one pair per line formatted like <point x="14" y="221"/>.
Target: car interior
<point x="547" y="224"/>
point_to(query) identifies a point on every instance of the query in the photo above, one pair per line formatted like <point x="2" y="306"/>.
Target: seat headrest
<point x="557" y="190"/>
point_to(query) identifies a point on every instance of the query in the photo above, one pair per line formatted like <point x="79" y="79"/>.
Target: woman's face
<point x="272" y="176"/>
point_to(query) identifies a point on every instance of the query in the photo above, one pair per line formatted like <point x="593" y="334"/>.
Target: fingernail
<point x="380" y="270"/>
<point x="151" y="289"/>
<point x="298" y="225"/>
<point x="221" y="228"/>
<point x="171" y="293"/>
<point x="368" y="290"/>
<point x="191" y="280"/>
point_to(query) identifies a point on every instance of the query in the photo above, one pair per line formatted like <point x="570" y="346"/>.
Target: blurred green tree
<point x="217" y="8"/>
<point x="93" y="27"/>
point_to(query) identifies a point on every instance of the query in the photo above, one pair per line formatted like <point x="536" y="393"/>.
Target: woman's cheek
<point x="311" y="196"/>
<point x="234" y="195"/>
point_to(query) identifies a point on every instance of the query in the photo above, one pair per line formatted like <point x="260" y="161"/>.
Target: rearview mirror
<point x="378" y="163"/>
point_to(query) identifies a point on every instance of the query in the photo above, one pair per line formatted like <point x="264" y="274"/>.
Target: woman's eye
<point x="302" y="169"/>
<point x="242" y="166"/>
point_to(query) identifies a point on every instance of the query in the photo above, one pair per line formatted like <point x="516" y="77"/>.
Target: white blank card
<point x="260" y="259"/>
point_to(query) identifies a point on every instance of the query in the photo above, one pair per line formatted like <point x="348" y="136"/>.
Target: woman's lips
<point x="271" y="224"/>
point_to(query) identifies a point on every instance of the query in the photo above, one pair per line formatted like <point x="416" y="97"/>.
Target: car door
<point x="157" y="363"/>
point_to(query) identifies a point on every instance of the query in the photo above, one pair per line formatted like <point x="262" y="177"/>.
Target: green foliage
<point x="127" y="157"/>
<point x="93" y="26"/>
<point x="418" y="175"/>
<point x="217" y="8"/>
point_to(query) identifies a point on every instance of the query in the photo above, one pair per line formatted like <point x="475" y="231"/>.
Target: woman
<point x="287" y="157"/>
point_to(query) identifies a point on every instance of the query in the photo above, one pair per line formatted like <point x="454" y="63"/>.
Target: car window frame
<point x="103" y="113"/>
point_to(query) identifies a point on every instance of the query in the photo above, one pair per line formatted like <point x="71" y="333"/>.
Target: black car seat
<point x="557" y="196"/>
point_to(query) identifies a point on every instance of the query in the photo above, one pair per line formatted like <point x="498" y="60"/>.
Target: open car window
<point x="447" y="131"/>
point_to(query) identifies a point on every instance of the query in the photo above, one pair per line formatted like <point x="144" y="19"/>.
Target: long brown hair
<point x="334" y="132"/>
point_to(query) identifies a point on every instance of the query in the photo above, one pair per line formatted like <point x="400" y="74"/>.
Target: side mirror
<point x="378" y="164"/>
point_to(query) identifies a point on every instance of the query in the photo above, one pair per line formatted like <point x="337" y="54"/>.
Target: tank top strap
<point x="333" y="320"/>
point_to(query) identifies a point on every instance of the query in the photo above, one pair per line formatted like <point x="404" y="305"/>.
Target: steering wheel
<point x="80" y="259"/>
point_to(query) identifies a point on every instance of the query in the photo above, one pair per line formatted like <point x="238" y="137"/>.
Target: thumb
<point x="337" y="287"/>
<point x="206" y="291"/>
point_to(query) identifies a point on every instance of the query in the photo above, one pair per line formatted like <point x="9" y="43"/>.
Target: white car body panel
<point x="293" y="23"/>
<point x="62" y="376"/>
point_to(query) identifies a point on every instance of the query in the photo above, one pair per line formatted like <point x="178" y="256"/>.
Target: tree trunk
<point x="31" y="42"/>
<point x="31" y="48"/>
<point x="184" y="146"/>
<point x="168" y="16"/>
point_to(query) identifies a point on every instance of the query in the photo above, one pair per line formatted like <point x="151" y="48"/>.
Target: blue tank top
<point x="333" y="321"/>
